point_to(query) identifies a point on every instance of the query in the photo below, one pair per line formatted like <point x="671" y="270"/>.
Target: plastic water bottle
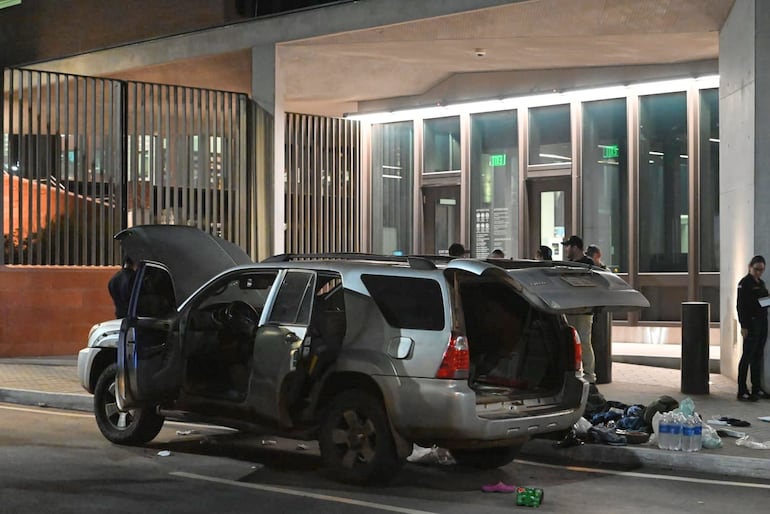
<point x="675" y="441"/>
<point x="697" y="438"/>
<point x="688" y="433"/>
<point x="664" y="431"/>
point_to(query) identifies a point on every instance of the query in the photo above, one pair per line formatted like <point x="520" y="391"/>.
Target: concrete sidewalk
<point x="52" y="382"/>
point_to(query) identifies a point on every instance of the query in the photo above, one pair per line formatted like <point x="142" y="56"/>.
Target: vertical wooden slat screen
<point x="85" y="157"/>
<point x="323" y="177"/>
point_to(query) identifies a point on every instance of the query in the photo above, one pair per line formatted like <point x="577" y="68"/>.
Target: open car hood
<point x="561" y="287"/>
<point x="191" y="255"/>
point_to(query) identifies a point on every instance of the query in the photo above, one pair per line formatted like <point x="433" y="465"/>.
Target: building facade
<point x="499" y="124"/>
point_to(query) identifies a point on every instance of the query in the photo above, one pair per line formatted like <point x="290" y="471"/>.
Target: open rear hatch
<point x="522" y="353"/>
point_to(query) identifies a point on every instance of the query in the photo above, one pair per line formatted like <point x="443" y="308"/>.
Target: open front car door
<point x="149" y="359"/>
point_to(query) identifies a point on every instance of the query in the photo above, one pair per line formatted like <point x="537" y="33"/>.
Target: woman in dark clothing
<point x="753" y="319"/>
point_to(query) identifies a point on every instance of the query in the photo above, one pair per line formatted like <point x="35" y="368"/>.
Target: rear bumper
<point x="444" y="412"/>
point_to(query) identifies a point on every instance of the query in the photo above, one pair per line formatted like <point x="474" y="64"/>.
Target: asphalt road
<point x="58" y="462"/>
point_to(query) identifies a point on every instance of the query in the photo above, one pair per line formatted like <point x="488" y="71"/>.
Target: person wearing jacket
<point x="753" y="319"/>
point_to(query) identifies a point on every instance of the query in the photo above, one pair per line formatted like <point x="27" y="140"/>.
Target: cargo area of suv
<point x="514" y="348"/>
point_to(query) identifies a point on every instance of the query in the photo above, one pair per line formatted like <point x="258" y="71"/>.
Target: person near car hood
<point x="120" y="286"/>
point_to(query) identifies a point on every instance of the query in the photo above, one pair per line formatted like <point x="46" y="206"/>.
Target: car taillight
<point x="457" y="360"/>
<point x="577" y="349"/>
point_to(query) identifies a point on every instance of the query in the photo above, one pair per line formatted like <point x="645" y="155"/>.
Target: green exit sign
<point x="497" y="160"/>
<point x="610" y="151"/>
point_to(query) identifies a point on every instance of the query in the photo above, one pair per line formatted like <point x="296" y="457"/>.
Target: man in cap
<point x="573" y="251"/>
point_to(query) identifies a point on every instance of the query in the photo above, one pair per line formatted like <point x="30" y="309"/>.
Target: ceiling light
<point x="538" y="100"/>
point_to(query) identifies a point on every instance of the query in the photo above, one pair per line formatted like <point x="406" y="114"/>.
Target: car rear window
<point x="407" y="302"/>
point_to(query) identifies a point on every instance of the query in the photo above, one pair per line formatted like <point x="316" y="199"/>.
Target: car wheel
<point x="355" y="439"/>
<point x="486" y="458"/>
<point x="135" y="426"/>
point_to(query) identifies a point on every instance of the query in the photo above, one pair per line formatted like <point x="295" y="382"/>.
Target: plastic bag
<point x="687" y="407"/>
<point x="581" y="427"/>
<point x="710" y="439"/>
<point x="750" y="442"/>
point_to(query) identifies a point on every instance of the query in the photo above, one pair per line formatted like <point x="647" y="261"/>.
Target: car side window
<point x="294" y="300"/>
<point x="407" y="302"/>
<point x="156" y="294"/>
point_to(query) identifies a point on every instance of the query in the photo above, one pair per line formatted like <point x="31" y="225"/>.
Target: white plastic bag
<point x="710" y="439"/>
<point x="581" y="427"/>
<point x="750" y="442"/>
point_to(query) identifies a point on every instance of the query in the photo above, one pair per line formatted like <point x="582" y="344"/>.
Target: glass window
<point x="663" y="183"/>
<point x="665" y="303"/>
<point x="605" y="180"/>
<point x="494" y="184"/>
<point x="441" y="147"/>
<point x="292" y="305"/>
<point x="709" y="180"/>
<point x="392" y="188"/>
<point x="407" y="302"/>
<point x="550" y="139"/>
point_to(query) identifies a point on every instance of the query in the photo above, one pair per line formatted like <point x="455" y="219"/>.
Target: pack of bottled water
<point x="679" y="432"/>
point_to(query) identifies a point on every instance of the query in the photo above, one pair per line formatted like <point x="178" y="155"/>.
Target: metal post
<point x="695" y="348"/>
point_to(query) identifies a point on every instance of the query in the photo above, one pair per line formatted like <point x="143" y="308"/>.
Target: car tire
<point x="135" y="426"/>
<point x="486" y="458"/>
<point x="356" y="443"/>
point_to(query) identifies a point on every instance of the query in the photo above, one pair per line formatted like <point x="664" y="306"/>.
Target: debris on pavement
<point x="164" y="453"/>
<point x="499" y="487"/>
<point x="750" y="442"/>
<point x="268" y="442"/>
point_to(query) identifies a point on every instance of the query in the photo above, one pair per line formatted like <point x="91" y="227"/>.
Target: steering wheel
<point x="241" y="317"/>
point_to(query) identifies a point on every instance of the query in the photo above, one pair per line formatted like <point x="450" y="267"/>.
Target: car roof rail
<point x="423" y="262"/>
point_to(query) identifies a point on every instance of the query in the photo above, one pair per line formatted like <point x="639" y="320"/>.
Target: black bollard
<point x="601" y="342"/>
<point x="695" y="348"/>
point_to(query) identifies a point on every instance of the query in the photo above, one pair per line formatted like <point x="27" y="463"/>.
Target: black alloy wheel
<point x="134" y="426"/>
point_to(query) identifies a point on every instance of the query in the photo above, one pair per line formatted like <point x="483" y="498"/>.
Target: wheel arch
<point x="340" y="381"/>
<point x="102" y="361"/>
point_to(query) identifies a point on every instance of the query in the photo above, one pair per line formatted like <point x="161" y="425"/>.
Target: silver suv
<point x="367" y="354"/>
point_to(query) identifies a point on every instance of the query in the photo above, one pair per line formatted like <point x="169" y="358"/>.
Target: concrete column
<point x="267" y="89"/>
<point x="744" y="167"/>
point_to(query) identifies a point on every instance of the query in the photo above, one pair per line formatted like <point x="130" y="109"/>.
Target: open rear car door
<point x="559" y="287"/>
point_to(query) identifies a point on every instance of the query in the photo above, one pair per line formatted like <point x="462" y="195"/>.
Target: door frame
<point x="431" y="220"/>
<point x="536" y="186"/>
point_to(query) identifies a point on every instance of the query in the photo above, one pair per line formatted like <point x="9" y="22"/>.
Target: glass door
<point x="441" y="220"/>
<point x="550" y="214"/>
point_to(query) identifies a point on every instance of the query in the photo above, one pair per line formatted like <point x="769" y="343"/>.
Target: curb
<point x="68" y="401"/>
<point x="636" y="456"/>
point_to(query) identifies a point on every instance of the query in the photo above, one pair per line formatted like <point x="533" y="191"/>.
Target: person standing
<point x="753" y="319"/>
<point x="595" y="254"/>
<point x="457" y="250"/>
<point x="120" y="286"/>
<point x="544" y="253"/>
<point x="573" y="250"/>
<point x="583" y="323"/>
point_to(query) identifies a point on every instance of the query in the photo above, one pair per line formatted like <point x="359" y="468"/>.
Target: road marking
<point x="305" y="494"/>
<point x="650" y="476"/>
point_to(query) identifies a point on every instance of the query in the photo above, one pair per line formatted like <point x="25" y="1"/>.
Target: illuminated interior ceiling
<point x="454" y="56"/>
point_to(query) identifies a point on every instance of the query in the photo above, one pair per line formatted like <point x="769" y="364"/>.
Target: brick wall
<point x="48" y="310"/>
